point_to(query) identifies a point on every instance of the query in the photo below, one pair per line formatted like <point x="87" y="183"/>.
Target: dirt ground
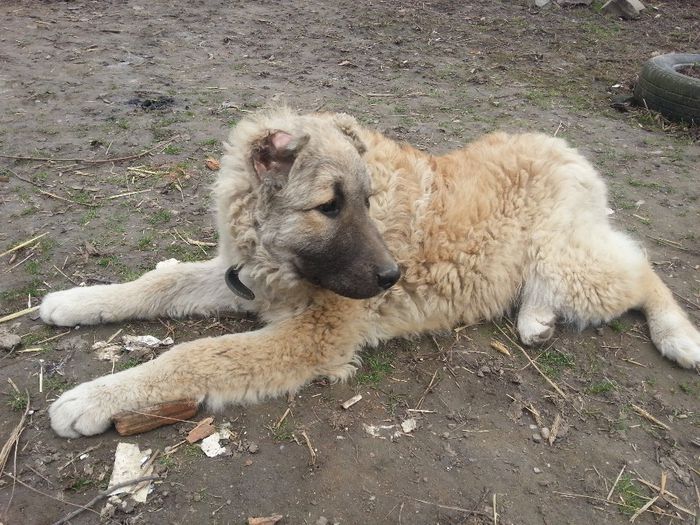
<point x="158" y="84"/>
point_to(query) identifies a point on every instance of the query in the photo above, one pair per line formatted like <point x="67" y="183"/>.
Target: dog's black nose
<point x="387" y="277"/>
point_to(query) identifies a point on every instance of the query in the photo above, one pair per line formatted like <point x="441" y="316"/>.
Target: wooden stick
<point x="552" y="383"/>
<point x="23" y="244"/>
<point x="15" y="315"/>
<point x="104" y="494"/>
<point x="624" y="466"/>
<point x="646" y="415"/>
<point x="284" y="416"/>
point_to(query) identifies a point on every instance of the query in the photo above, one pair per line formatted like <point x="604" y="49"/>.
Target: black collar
<point x="235" y="284"/>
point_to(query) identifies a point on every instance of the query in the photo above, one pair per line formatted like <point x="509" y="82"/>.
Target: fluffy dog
<point x="338" y="237"/>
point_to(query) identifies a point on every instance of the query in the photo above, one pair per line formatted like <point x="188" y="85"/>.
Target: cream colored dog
<point x="338" y="237"/>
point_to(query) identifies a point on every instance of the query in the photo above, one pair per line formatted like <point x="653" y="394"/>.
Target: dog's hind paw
<point x="74" y="307"/>
<point x="683" y="349"/>
<point x="84" y="410"/>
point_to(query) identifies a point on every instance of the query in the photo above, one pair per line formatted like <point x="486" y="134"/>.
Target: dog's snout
<point x="387" y="277"/>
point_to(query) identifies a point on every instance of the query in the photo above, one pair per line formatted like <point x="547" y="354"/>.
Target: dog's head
<point x="313" y="206"/>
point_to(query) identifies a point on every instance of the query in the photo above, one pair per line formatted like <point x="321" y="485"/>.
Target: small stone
<point x="322" y="521"/>
<point x="536" y="437"/>
<point x="196" y="496"/>
<point x="537" y="470"/>
<point x="626" y="9"/>
<point x="544" y="432"/>
<point x="533" y="427"/>
<point x="9" y="341"/>
<point x="253" y="448"/>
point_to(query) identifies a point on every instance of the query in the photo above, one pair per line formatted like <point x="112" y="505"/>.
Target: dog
<point x="338" y="237"/>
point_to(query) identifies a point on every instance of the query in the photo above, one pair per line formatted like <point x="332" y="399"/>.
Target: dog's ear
<point x="275" y="153"/>
<point x="349" y="127"/>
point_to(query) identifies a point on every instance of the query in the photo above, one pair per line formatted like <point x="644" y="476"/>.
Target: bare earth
<point x="91" y="80"/>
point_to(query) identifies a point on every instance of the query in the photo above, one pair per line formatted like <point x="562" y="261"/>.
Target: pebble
<point x="253" y="448"/>
<point x="536" y="437"/>
<point x="544" y="432"/>
<point x="537" y="470"/>
<point x="196" y="496"/>
<point x="9" y="341"/>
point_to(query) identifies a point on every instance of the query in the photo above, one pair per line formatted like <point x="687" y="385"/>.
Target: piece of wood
<point x="204" y="428"/>
<point x="136" y="422"/>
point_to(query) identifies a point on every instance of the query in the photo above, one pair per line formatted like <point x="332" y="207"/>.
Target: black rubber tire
<point x="662" y="88"/>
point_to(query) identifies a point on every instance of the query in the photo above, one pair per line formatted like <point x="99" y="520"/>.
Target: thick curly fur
<point x="507" y="220"/>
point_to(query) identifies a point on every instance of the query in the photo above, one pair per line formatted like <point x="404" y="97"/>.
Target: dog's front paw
<point x="536" y="329"/>
<point x="75" y="306"/>
<point x="84" y="410"/>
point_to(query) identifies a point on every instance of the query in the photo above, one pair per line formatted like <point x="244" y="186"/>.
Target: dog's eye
<point x="330" y="208"/>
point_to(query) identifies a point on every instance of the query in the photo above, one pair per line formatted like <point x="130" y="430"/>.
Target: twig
<point x="449" y="507"/>
<point x="13" y="440"/>
<point x="77" y="456"/>
<point x="646" y="415"/>
<point x="284" y="416"/>
<point x="104" y="494"/>
<point x="554" y="431"/>
<point x="23" y="244"/>
<point x="552" y="383"/>
<point x="53" y="337"/>
<point x="93" y="161"/>
<point x="49" y="495"/>
<point x="64" y="275"/>
<point x="15" y="315"/>
<point x="427" y="389"/>
<point x="311" y="449"/>
<point x="20" y="262"/>
<point x="495" y="514"/>
<point x="64" y="199"/>
<point x="128" y="193"/>
<point x="643" y="508"/>
<point x="624" y="466"/>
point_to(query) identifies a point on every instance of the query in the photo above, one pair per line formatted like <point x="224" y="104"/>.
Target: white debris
<point x="350" y="402"/>
<point x="107" y="352"/>
<point x="383" y="431"/>
<point x="211" y="446"/>
<point x="136" y="342"/>
<point x="131" y="463"/>
<point x="409" y="425"/>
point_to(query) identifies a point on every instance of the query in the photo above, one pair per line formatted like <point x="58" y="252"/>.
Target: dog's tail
<point x="671" y="330"/>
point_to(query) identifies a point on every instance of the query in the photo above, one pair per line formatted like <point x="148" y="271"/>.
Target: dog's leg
<point x="249" y="366"/>
<point x="596" y="274"/>
<point x="173" y="289"/>
<point x="536" y="317"/>
<point x="671" y="330"/>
